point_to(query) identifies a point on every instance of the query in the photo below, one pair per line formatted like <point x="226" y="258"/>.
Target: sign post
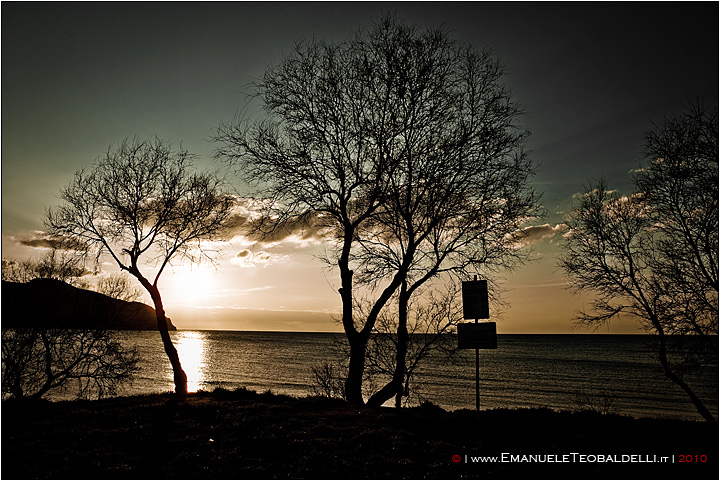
<point x="477" y="335"/>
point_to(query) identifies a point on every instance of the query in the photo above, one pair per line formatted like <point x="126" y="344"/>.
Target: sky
<point x="77" y="77"/>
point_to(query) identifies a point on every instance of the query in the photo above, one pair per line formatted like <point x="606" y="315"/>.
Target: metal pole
<point x="477" y="373"/>
<point x="477" y="379"/>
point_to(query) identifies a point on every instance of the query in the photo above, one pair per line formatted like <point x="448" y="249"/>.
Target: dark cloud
<point x="237" y="222"/>
<point x="249" y="220"/>
<point x="42" y="240"/>
<point x="536" y="233"/>
<point x="308" y="228"/>
<point x="247" y="258"/>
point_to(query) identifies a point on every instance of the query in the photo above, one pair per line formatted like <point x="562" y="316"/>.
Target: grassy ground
<point x="241" y="435"/>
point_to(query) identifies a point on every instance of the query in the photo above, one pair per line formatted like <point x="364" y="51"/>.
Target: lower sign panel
<point x="482" y="335"/>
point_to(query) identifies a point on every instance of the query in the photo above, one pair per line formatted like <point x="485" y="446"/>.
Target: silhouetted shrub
<point x="327" y="381"/>
<point x="597" y="402"/>
<point x="93" y="362"/>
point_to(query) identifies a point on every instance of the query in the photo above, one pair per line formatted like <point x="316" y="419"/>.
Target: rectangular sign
<point x="481" y="335"/>
<point x="475" y="300"/>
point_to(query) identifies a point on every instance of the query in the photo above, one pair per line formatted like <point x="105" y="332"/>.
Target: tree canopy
<point x="402" y="145"/>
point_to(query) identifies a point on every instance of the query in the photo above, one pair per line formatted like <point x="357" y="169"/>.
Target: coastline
<point x="246" y="435"/>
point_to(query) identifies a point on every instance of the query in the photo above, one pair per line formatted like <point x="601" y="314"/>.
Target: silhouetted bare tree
<point x="143" y="201"/>
<point x="653" y="254"/>
<point x="397" y="130"/>
<point x="36" y="361"/>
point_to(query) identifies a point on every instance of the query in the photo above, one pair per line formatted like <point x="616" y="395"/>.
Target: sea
<point x="615" y="373"/>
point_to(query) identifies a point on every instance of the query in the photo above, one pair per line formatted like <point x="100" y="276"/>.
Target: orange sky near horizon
<point x="294" y="291"/>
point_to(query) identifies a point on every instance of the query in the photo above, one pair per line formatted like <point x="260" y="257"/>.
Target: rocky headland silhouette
<point x="49" y="303"/>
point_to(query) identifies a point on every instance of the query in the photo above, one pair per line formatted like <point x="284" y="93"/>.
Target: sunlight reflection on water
<point x="192" y="349"/>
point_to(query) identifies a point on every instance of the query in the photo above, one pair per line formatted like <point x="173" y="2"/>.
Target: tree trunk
<point x="179" y="376"/>
<point x="401" y="359"/>
<point x="697" y="402"/>
<point x="356" y="368"/>
<point x="395" y="386"/>
<point x="358" y="339"/>
<point x="357" y="342"/>
<point x="398" y="399"/>
<point x="47" y="358"/>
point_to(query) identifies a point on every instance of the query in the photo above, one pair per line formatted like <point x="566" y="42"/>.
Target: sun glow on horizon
<point x="190" y="286"/>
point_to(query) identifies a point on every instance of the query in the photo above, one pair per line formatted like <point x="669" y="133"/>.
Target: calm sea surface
<point x="524" y="371"/>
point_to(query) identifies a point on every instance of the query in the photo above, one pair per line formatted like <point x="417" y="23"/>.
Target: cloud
<point x="532" y="235"/>
<point x="234" y="291"/>
<point x="237" y="223"/>
<point x="588" y="193"/>
<point x="43" y="240"/>
<point x="249" y="220"/>
<point x="248" y="258"/>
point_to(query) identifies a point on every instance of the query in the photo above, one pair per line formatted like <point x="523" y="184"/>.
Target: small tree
<point x="38" y="361"/>
<point x="327" y="381"/>
<point x="653" y="254"/>
<point x="141" y="201"/>
<point x="118" y="286"/>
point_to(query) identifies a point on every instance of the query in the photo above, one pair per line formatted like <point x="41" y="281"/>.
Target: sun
<point x="189" y="285"/>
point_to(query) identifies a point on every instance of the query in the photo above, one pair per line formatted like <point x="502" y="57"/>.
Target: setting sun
<point x="189" y="286"/>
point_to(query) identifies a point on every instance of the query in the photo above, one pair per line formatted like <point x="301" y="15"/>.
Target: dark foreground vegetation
<point x="242" y="434"/>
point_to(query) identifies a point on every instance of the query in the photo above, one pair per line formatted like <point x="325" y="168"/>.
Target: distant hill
<point x="55" y="304"/>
